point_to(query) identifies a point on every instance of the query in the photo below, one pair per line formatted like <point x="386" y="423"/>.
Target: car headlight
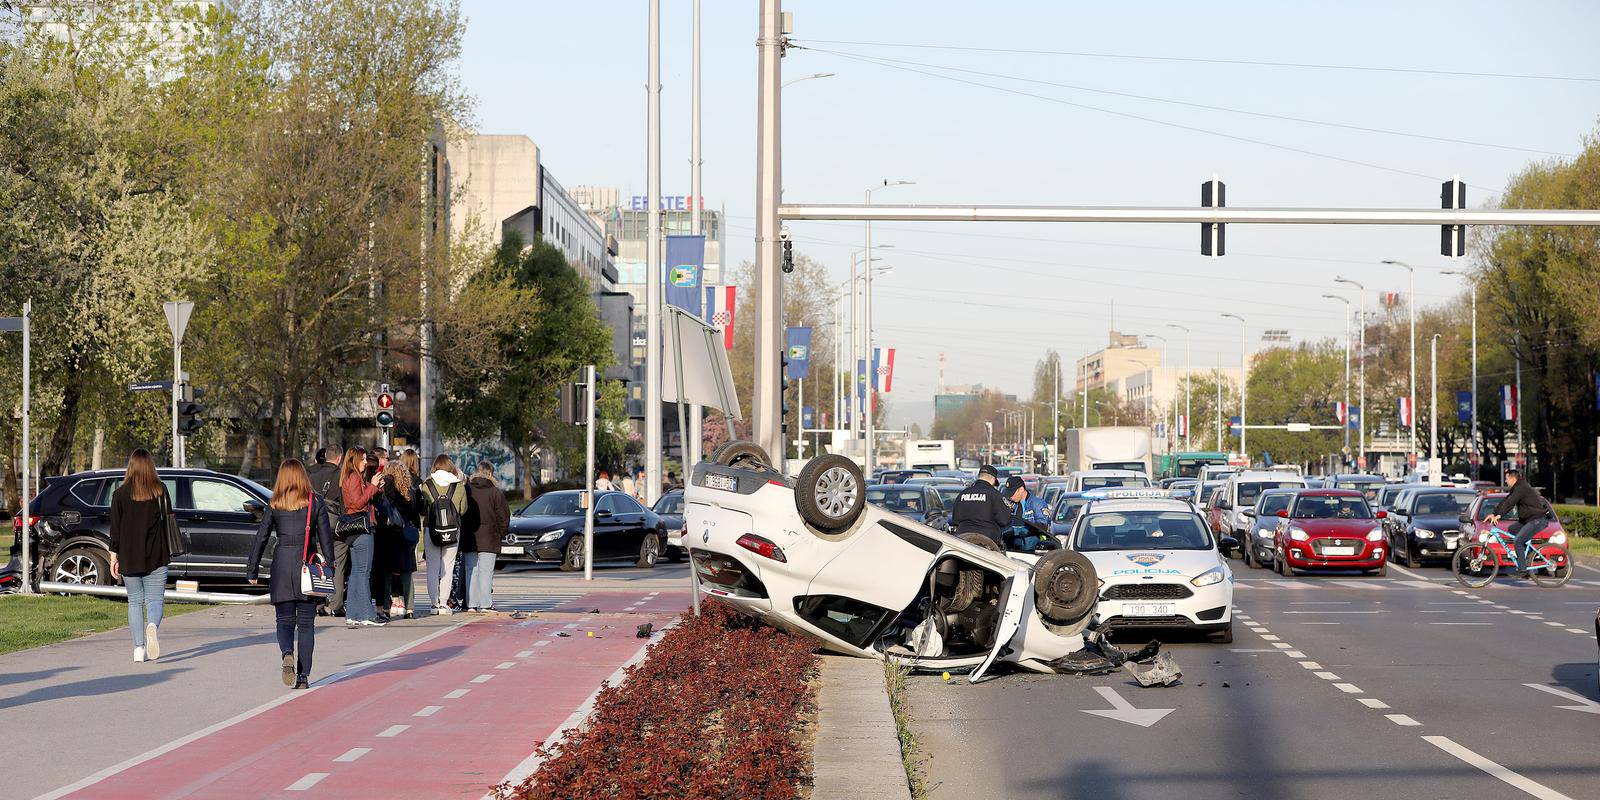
<point x="1375" y="535"/>
<point x="1423" y="533"/>
<point x="1559" y="538"/>
<point x="1265" y="533"/>
<point x="1298" y="535"/>
<point x="1210" y="577"/>
<point x="552" y="536"/>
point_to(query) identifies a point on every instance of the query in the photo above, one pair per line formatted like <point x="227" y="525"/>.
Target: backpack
<point x="444" y="521"/>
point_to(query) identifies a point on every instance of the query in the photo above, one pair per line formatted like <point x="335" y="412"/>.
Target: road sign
<point x="1298" y="427"/>
<point x="178" y="312"/>
<point x="150" y="386"/>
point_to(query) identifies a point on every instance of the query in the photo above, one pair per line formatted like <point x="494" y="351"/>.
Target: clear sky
<point x="993" y="297"/>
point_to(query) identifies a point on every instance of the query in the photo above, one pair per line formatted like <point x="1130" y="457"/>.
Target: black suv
<point x="217" y="514"/>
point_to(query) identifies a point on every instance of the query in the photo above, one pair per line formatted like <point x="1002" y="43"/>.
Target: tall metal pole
<point x="27" y="446"/>
<point x="1055" y="419"/>
<point x="1219" y="406"/>
<point x="693" y="437"/>
<point x="1244" y="380"/>
<point x="1433" y="402"/>
<point x="652" y="272"/>
<point x="588" y="466"/>
<point x="177" y="394"/>
<point x="1346" y="424"/>
<point x="1188" y="388"/>
<point x="1472" y="436"/>
<point x="767" y="403"/>
<point x="854" y="402"/>
<point x="1411" y="307"/>
<point x="870" y="400"/>
<point x="1516" y="408"/>
<point x="1361" y="359"/>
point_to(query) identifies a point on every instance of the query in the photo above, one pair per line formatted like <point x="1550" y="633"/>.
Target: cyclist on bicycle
<point x="1530" y="511"/>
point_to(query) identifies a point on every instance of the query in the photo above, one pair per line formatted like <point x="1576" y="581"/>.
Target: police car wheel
<point x="969" y="582"/>
<point x="1064" y="586"/>
<point x="830" y="492"/>
<point x="746" y="455"/>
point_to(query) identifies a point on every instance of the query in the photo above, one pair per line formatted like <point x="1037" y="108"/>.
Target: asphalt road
<point x="1335" y="687"/>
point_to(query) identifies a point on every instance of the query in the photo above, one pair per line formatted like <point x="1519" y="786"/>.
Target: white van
<point x="1240" y="491"/>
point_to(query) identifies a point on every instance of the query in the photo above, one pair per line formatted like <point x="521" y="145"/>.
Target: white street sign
<point x="178" y="312"/>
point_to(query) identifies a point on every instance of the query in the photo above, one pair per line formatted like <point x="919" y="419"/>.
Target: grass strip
<point x="911" y="757"/>
<point x="35" y="621"/>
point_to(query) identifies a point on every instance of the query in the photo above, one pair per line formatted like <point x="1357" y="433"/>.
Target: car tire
<point x="1224" y="636"/>
<point x="830" y="493"/>
<point x="85" y="565"/>
<point x="649" y="551"/>
<point x="1411" y="560"/>
<point x="1283" y="566"/>
<point x="572" y="557"/>
<point x="969" y="582"/>
<point x="1382" y="571"/>
<point x="1250" y="556"/>
<point x="745" y="455"/>
<point x="1065" y="586"/>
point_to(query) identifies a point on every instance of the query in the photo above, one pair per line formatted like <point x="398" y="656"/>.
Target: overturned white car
<point x="809" y="555"/>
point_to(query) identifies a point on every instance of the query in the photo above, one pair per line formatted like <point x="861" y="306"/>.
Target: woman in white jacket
<point x="442" y="536"/>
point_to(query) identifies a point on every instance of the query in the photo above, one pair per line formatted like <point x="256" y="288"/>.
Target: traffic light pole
<point x="588" y="473"/>
<point x="177" y="397"/>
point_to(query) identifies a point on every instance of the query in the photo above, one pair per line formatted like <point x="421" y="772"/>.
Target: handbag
<point x="176" y="546"/>
<point x="347" y="525"/>
<point x="316" y="580"/>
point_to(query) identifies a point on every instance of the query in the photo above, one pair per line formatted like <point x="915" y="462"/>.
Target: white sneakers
<point x="152" y="643"/>
<point x="138" y="655"/>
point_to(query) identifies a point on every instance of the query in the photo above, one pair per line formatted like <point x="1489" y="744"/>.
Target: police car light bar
<point x="1138" y="494"/>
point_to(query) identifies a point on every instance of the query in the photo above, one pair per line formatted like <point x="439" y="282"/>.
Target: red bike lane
<point x="450" y="717"/>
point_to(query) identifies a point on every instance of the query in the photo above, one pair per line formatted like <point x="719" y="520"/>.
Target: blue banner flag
<point x="1355" y="417"/>
<point x="686" y="258"/>
<point x="1463" y="406"/>
<point x="797" y="348"/>
<point x="806" y="414"/>
<point x="861" y="382"/>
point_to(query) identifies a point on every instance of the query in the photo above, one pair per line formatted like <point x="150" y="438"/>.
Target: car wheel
<point x="1250" y="555"/>
<point x="1224" y="636"/>
<point x="830" y="493"/>
<point x="1064" y="586"/>
<point x="746" y="455"/>
<point x="86" y="565"/>
<point x="572" y="560"/>
<point x="649" y="551"/>
<point x="1382" y="571"/>
<point x="969" y="582"/>
<point x="1411" y="560"/>
<point x="1283" y="565"/>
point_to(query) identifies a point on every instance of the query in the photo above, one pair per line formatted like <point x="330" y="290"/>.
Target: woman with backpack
<point x="139" y="549"/>
<point x="395" y="559"/>
<point x="355" y="526"/>
<point x="489" y="519"/>
<point x="442" y="502"/>
<point x="300" y="521"/>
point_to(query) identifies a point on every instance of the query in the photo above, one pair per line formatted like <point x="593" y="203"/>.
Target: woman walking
<point x="442" y="502"/>
<point x="301" y="522"/>
<point x="139" y="550"/>
<point x="357" y="524"/>
<point x="490" y="517"/>
<point x="395" y="559"/>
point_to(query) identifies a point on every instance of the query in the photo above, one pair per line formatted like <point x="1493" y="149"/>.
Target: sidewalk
<point x="436" y="707"/>
<point x="857" y="753"/>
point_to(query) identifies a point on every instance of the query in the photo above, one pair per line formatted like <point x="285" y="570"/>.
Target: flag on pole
<point x="1463" y="406"/>
<point x="686" y="256"/>
<point x="1405" y="412"/>
<point x="883" y="360"/>
<point x="1508" y="403"/>
<point x="1354" y="413"/>
<point x="1340" y="411"/>
<point x="718" y="311"/>
<point x="1183" y="424"/>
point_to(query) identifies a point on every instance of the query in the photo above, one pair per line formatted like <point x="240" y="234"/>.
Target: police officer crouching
<point x="980" y="508"/>
<point x="1029" y="529"/>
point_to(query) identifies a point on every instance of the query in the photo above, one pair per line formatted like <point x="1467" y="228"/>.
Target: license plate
<point x="1147" y="610"/>
<point x="1452" y="544"/>
<point x="724" y="482"/>
<point x="1338" y="551"/>
<point x="511" y="549"/>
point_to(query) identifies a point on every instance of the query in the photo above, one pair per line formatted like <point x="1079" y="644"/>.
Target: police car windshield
<point x="895" y="499"/>
<point x="1101" y="482"/>
<point x="1067" y="509"/>
<point x="1248" y="492"/>
<point x="1141" y="530"/>
<point x="1313" y="506"/>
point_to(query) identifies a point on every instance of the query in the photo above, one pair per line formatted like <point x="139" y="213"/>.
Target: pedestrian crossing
<point x="1312" y="583"/>
<point x="532" y="601"/>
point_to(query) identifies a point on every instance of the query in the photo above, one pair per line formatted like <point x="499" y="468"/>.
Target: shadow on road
<point x="1578" y="676"/>
<point x="93" y="687"/>
<point x="221" y="645"/>
<point x="28" y="677"/>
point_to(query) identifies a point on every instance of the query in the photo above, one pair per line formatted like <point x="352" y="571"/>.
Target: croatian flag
<point x="717" y="311"/>
<point x="883" y="369"/>
<point x="1508" y="403"/>
<point x="1340" y="412"/>
<point x="1405" y="412"/>
<point x="1183" y="424"/>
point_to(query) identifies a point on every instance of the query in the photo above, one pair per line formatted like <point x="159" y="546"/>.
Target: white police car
<point x="1158" y="564"/>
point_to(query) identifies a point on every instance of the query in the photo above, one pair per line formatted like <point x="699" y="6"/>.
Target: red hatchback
<point x="1475" y="527"/>
<point x="1330" y="529"/>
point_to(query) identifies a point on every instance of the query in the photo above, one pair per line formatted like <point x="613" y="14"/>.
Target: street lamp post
<point x="1345" y="422"/>
<point x="1160" y="359"/>
<point x="1361" y="360"/>
<point x="866" y="340"/>
<point x="1055" y="419"/>
<point x="811" y="77"/>
<point x="1472" y="436"/>
<point x="1244" y="380"/>
<point x="1411" y="306"/>
<point x="1188" y="388"/>
<point x="1433" y="403"/>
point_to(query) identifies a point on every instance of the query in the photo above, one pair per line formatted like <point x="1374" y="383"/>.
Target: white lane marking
<point x="541" y="643"/>
<point x="1289" y="584"/>
<point x="1327" y="676"/>
<point x="1310" y="665"/>
<point x="1555" y="624"/>
<point x="1402" y="720"/>
<point x="353" y="754"/>
<point x="393" y="731"/>
<point x="482" y="679"/>
<point x="1357" y="584"/>
<point x="652" y="594"/>
<point x="571" y="625"/>
<point x="1321" y="602"/>
<point x="1240" y="617"/>
<point x="1348" y="688"/>
<point x="1532" y="787"/>
<point x="1501" y="607"/>
<point x="1577" y="630"/>
<point x="1534" y="617"/>
<point x="1408" y="573"/>
<point x="428" y="711"/>
<point x="1488" y="603"/>
<point x="1458" y="591"/>
<point x="524" y="654"/>
<point x="1336" y="612"/>
<point x="1451" y="603"/>
<point x="1518" y="612"/>
<point x="1295" y="654"/>
<point x="505" y="665"/>
<point x="1432" y="611"/>
<point x="1461" y="623"/>
<point x="1238" y="583"/>
<point x="1244" y="650"/>
<point x="119" y="768"/>
<point x="1419" y="584"/>
<point x="1282" y="645"/>
<point x="1587" y="567"/>
<point x="456" y="694"/>
<point x="1483" y="612"/>
<point x="306" y="782"/>
<point x="1269" y="637"/>
<point x="528" y="765"/>
<point x="1370" y="702"/>
<point x="1470" y="596"/>
<point x="1584" y="704"/>
<point x="1320" y="623"/>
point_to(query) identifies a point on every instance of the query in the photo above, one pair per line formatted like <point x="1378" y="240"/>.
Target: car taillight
<point x="16" y="522"/>
<point x="762" y="547"/>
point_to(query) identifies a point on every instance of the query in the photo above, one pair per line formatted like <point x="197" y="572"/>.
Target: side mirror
<point x="1464" y="519"/>
<point x="1383" y="514"/>
<point x="1249" y="512"/>
<point x="256" y="508"/>
<point x="1228" y="543"/>
<point x="1283" y="513"/>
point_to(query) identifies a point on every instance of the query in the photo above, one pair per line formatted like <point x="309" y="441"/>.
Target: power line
<point x="1208" y="107"/>
<point x="1228" y="61"/>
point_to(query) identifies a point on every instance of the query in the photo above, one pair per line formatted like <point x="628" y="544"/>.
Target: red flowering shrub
<point x="715" y="711"/>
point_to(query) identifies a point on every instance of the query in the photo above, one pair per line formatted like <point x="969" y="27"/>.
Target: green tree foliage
<point x="808" y="299"/>
<point x="1298" y="384"/>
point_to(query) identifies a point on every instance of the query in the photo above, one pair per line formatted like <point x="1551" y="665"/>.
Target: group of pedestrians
<point x="632" y="483"/>
<point x="360" y="512"/>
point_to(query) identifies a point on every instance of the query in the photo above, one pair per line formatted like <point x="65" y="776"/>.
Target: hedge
<point x="1585" y="520"/>
<point x="717" y="710"/>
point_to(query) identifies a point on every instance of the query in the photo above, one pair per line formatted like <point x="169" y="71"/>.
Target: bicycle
<point x="1476" y="564"/>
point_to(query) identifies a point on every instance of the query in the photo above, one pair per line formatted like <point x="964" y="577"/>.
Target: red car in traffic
<point x="1475" y="527"/>
<point x="1330" y="529"/>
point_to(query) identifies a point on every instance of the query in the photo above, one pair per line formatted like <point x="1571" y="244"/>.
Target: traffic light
<point x="788" y="256"/>
<point x="189" y="411"/>
<point x="1453" y="238"/>
<point x="385" y="415"/>
<point x="574" y="408"/>
<point x="1213" y="194"/>
<point x="783" y="386"/>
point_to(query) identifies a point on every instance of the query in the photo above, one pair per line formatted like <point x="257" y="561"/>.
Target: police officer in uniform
<point x="1029" y="528"/>
<point x="980" y="508"/>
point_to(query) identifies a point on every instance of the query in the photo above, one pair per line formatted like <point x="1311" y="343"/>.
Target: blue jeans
<point x="358" y="589"/>
<point x="297" y="622"/>
<point x="480" y="580"/>
<point x="146" y="596"/>
<point x="1525" y="533"/>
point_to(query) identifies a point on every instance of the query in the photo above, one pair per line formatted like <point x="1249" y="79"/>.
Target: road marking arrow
<point x="1585" y="705"/>
<point x="1123" y="711"/>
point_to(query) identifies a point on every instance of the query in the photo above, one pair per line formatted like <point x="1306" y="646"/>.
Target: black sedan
<point x="670" y="509"/>
<point x="549" y="530"/>
<point x="1425" y="524"/>
<point x="217" y="515"/>
<point x="918" y="501"/>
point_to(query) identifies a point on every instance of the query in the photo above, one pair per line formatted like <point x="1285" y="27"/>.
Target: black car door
<point x="632" y="524"/>
<point x="220" y="526"/>
<point x="607" y="527"/>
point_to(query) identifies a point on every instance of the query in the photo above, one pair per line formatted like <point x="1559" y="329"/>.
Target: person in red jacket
<point x="358" y="492"/>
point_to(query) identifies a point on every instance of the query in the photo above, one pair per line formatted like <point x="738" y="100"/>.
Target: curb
<point x="857" y="751"/>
